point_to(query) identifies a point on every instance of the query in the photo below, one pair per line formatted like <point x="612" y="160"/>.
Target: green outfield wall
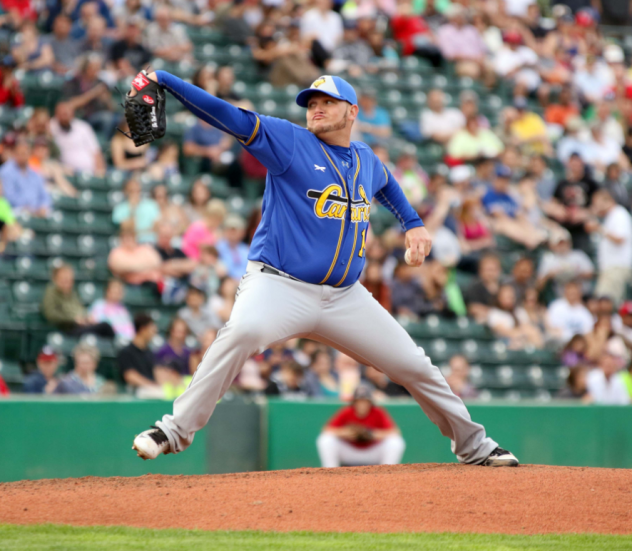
<point x="553" y="434"/>
<point x="61" y="438"/>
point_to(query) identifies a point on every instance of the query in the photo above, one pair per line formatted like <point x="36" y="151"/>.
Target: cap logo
<point x="319" y="82"/>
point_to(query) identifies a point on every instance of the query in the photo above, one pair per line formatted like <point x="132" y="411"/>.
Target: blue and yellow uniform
<point x="317" y="200"/>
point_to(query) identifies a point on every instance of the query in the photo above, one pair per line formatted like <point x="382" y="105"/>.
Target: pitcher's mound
<point x="406" y="498"/>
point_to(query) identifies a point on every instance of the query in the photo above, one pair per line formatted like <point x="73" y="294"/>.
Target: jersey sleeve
<point x="268" y="139"/>
<point x="390" y="194"/>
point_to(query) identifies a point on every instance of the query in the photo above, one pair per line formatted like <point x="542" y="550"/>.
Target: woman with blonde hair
<point x="205" y="231"/>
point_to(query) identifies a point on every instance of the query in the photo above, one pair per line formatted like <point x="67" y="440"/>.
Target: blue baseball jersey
<point x="317" y="199"/>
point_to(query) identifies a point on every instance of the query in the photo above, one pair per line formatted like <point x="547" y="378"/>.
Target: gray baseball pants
<point x="271" y="308"/>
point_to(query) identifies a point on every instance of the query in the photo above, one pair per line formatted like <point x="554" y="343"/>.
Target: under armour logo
<point x="345" y="163"/>
<point x="321" y="168"/>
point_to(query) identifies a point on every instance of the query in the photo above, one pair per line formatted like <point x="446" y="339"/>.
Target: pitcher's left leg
<point x="356" y="324"/>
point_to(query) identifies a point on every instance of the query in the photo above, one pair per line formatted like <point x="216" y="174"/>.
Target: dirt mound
<point x="429" y="497"/>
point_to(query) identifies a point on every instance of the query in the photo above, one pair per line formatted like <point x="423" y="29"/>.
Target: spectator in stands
<point x="522" y="277"/>
<point x="170" y="213"/>
<point x="559" y="113"/>
<point x="96" y="41"/>
<point x="44" y="380"/>
<point x="574" y="352"/>
<point x="623" y="324"/>
<point x="473" y="142"/>
<point x="439" y="123"/>
<point x="199" y="196"/>
<point x="616" y="183"/>
<point x="175" y="267"/>
<point x="125" y="155"/>
<point x="225" y="81"/>
<point x="482" y="294"/>
<point x="562" y="263"/>
<point x="197" y="314"/>
<point x="212" y="147"/>
<point x="461" y="43"/>
<point x="111" y="309"/>
<point x="320" y="380"/>
<point x="174" y="354"/>
<point x="209" y="270"/>
<point x="414" y="34"/>
<point x="567" y="316"/>
<point x="384" y="387"/>
<point x="323" y="24"/>
<point x="573" y="141"/>
<point x="605" y="384"/>
<point x="32" y="53"/>
<point x="140" y="212"/>
<point x="62" y="307"/>
<point x="598" y="338"/>
<point x="10" y="230"/>
<point x="83" y="379"/>
<point x="10" y="93"/>
<point x="78" y="145"/>
<point x="360" y="434"/>
<point x="507" y="217"/>
<point x="50" y="169"/>
<point x="132" y="9"/>
<point x="222" y="303"/>
<point x="601" y="150"/>
<point x="24" y="189"/>
<point x="515" y="61"/>
<point x="544" y="178"/>
<point x="408" y="300"/>
<point x="84" y="12"/>
<point x="374" y="282"/>
<point x="233" y="252"/>
<point x="592" y="80"/>
<point x="353" y="54"/>
<point x="167" y="163"/>
<point x="411" y="177"/>
<point x="133" y="262"/>
<point x="614" y="253"/>
<point x="572" y="198"/>
<point x="282" y="62"/>
<point x="205" y="231"/>
<point x="473" y="231"/>
<point x="459" y="378"/>
<point x="128" y="54"/>
<point x="511" y="323"/>
<point x="90" y="97"/>
<point x="136" y="361"/>
<point x="233" y="23"/>
<point x="529" y="130"/>
<point x="65" y="49"/>
<point x="167" y="39"/>
<point x="290" y="380"/>
<point x="576" y="384"/>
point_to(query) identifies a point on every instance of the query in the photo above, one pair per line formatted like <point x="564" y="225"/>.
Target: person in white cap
<point x="604" y="383"/>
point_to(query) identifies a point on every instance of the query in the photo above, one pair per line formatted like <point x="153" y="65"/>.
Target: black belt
<point x="274" y="271"/>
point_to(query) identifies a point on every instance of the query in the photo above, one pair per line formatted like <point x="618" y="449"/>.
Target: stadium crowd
<point x="547" y="178"/>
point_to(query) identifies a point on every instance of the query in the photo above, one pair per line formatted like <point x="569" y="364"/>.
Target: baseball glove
<point x="145" y="112"/>
<point x="363" y="434"/>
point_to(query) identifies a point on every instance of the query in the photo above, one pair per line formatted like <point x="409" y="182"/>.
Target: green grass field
<point x="70" y="538"/>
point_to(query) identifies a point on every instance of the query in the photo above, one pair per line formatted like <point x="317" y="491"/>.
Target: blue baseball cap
<point x="335" y="87"/>
<point x="503" y="171"/>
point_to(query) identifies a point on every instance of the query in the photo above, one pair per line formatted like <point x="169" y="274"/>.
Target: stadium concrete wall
<point x="62" y="438"/>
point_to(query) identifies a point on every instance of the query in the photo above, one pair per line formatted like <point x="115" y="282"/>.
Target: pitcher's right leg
<point x="269" y="308"/>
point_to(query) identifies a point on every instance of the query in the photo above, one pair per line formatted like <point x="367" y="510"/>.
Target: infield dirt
<point x="529" y="499"/>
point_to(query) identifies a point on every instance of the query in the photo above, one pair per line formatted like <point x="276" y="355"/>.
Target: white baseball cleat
<point x="151" y="443"/>
<point x="501" y="458"/>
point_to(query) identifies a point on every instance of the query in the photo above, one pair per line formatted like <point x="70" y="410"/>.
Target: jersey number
<point x="361" y="253"/>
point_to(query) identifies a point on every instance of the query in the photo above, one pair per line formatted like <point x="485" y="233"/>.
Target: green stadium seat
<point x="12" y="373"/>
<point x="86" y="180"/>
<point x="89" y="292"/>
<point x="95" y="222"/>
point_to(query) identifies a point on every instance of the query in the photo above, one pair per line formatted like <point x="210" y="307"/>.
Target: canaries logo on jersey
<point x="330" y="203"/>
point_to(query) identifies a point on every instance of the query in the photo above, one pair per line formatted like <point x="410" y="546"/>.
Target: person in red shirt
<point x="360" y="434"/>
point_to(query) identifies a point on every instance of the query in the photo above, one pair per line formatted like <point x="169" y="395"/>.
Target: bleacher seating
<point x="80" y="231"/>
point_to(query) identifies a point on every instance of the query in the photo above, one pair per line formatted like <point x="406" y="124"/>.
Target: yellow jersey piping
<point x="254" y="133"/>
<point x="342" y="226"/>
<point x="355" y="234"/>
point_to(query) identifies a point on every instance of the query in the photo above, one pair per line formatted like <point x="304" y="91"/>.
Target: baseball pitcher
<point x="306" y="258"/>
